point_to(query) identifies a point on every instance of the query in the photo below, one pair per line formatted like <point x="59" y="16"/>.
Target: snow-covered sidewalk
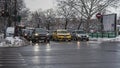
<point x="116" y="39"/>
<point x="16" y="41"/>
<point x="12" y="42"/>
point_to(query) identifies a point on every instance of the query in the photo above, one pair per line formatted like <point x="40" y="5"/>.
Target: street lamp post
<point x="5" y="9"/>
<point x="15" y="14"/>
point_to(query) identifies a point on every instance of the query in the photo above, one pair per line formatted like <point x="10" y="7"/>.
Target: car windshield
<point x="30" y="31"/>
<point x="62" y="32"/>
<point x="41" y="31"/>
<point x="80" y="32"/>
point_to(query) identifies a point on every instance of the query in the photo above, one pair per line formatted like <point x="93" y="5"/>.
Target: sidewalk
<point x="116" y="39"/>
<point x="12" y="42"/>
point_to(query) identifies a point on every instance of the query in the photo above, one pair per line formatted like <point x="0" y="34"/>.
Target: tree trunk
<point x="66" y="23"/>
<point x="80" y="23"/>
<point x="9" y="23"/>
<point x="48" y="26"/>
<point x="87" y="25"/>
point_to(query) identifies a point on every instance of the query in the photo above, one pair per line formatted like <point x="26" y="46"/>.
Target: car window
<point x="62" y="32"/>
<point x="80" y="32"/>
<point x="41" y="31"/>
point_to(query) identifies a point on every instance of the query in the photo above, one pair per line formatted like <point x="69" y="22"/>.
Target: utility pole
<point x="15" y="14"/>
<point x="5" y="18"/>
<point x="81" y="19"/>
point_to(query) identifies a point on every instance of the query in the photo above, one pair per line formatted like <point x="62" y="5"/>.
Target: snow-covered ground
<point x="16" y="41"/>
<point x="116" y="39"/>
<point x="12" y="42"/>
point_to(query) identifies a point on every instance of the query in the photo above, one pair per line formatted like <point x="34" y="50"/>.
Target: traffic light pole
<point x="5" y="18"/>
<point x="15" y="13"/>
<point x="101" y="21"/>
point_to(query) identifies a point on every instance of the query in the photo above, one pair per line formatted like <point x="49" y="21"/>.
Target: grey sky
<point x="36" y="4"/>
<point x="46" y="4"/>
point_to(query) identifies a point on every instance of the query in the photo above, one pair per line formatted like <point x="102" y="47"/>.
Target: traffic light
<point x="17" y="18"/>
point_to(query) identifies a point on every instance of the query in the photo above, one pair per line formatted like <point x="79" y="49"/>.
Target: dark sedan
<point x="40" y="35"/>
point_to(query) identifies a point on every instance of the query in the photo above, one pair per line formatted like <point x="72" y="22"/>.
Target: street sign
<point x="98" y="15"/>
<point x="109" y="22"/>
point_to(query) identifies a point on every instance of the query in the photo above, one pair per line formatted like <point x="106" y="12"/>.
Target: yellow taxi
<point x="61" y="34"/>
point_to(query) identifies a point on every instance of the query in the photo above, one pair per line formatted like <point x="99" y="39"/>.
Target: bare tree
<point x="16" y="8"/>
<point x="24" y="13"/>
<point x="38" y="18"/>
<point x="66" y="12"/>
<point x="88" y="8"/>
<point x="50" y="18"/>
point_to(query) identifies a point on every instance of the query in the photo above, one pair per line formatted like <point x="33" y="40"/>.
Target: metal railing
<point x="102" y="35"/>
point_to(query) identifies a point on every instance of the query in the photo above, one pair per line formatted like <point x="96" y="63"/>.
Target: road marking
<point x="13" y="59"/>
<point x="10" y="59"/>
<point x="1" y="65"/>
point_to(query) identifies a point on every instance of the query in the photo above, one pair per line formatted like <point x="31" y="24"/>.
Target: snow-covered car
<point x="80" y="35"/>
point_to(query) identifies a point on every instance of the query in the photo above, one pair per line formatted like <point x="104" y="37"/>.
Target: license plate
<point x="42" y="37"/>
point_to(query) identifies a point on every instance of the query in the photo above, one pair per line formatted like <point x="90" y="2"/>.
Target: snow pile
<point x="117" y="39"/>
<point x="2" y="44"/>
<point x="105" y="39"/>
<point x="100" y="39"/>
<point x="12" y="41"/>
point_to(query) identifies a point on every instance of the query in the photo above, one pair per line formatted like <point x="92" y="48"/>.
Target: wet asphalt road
<point x="62" y="55"/>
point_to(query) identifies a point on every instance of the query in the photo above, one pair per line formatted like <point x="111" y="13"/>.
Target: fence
<point x="102" y="35"/>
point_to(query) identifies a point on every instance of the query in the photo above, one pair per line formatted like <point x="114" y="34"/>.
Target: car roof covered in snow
<point x="10" y="29"/>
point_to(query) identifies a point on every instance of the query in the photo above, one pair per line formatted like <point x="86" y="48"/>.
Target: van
<point x="10" y="31"/>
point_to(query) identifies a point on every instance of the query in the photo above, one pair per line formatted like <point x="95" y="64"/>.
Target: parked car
<point x="80" y="35"/>
<point x="39" y="35"/>
<point x="61" y="34"/>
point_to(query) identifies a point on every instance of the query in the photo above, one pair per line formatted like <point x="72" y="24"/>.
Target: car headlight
<point x="87" y="35"/>
<point x="36" y="34"/>
<point x="78" y="35"/>
<point x="25" y="34"/>
<point x="47" y="34"/>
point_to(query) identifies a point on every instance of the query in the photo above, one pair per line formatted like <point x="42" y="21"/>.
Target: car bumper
<point x="64" y="38"/>
<point x="41" y="38"/>
<point x="83" y="38"/>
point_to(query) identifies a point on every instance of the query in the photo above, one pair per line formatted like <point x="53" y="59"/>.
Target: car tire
<point x="69" y="40"/>
<point x="81" y="39"/>
<point x="47" y="41"/>
<point x="87" y="40"/>
<point x="53" y="39"/>
<point x="75" y="39"/>
<point x="33" y="41"/>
